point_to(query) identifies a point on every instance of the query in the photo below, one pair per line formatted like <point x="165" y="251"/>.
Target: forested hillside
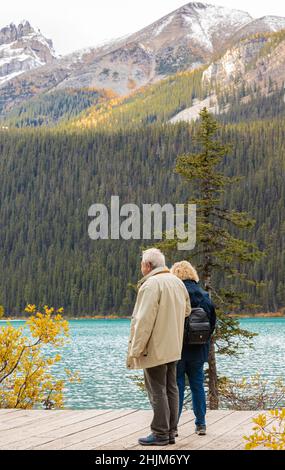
<point x="164" y="100"/>
<point x="49" y="179"/>
<point x="50" y="108"/>
<point x="154" y="103"/>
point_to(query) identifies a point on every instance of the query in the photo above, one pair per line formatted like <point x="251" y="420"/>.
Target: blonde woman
<point x="194" y="356"/>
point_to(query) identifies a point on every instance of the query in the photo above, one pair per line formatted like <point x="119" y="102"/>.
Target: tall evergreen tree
<point x="218" y="253"/>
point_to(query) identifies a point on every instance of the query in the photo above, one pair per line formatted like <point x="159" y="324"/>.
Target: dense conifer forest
<point x="50" y="177"/>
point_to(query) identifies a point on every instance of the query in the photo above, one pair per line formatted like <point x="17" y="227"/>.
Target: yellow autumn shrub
<point x="268" y="431"/>
<point x="27" y="358"/>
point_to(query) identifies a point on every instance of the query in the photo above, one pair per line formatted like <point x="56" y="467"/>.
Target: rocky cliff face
<point x="259" y="58"/>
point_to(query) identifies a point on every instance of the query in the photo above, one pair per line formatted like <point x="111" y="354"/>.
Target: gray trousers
<point x="161" y="386"/>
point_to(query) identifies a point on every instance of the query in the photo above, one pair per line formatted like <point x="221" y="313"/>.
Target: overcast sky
<point x="73" y="25"/>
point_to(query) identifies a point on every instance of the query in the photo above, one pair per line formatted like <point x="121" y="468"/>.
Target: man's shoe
<point x="200" y="430"/>
<point x="172" y="437"/>
<point x="153" y="440"/>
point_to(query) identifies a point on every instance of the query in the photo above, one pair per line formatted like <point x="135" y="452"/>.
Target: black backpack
<point x="197" y="329"/>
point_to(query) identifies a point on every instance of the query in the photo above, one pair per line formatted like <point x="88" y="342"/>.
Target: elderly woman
<point x="194" y="356"/>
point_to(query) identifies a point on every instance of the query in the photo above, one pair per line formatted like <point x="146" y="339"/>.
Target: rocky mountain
<point x="258" y="58"/>
<point x="193" y="35"/>
<point x="22" y="49"/>
<point x="257" y="61"/>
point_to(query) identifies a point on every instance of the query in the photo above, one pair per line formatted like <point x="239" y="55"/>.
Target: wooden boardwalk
<point x="114" y="430"/>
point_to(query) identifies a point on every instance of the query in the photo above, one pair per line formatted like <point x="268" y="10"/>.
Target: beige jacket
<point x="157" y="325"/>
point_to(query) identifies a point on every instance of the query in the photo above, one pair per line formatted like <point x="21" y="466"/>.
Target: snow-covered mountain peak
<point x="24" y="22"/>
<point x="25" y="26"/>
<point x="215" y="13"/>
<point x="196" y="5"/>
<point x="22" y="48"/>
<point x="206" y="22"/>
<point x="13" y="32"/>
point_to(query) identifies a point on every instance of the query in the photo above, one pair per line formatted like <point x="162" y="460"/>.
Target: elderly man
<point x="155" y="343"/>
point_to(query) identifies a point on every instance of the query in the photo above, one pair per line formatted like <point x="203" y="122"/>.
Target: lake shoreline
<point x="95" y="317"/>
<point x="117" y="317"/>
<point x="258" y="315"/>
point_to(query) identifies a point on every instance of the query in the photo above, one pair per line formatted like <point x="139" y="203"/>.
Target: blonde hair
<point x="184" y="270"/>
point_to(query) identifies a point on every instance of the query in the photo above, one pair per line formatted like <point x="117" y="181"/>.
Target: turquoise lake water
<point x="98" y="352"/>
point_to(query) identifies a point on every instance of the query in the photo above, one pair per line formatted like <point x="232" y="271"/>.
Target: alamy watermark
<point x="151" y="221"/>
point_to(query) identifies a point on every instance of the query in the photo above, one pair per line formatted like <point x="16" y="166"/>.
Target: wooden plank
<point x="6" y="417"/>
<point x="60" y="437"/>
<point x="48" y="424"/>
<point x="116" y="429"/>
<point x="24" y="418"/>
<point x="187" y="430"/>
<point x="33" y="418"/>
<point x="104" y="418"/>
<point x="233" y="438"/>
<point x="125" y="427"/>
<point x="6" y="411"/>
<point x="221" y="426"/>
<point x="130" y="441"/>
<point x="51" y="417"/>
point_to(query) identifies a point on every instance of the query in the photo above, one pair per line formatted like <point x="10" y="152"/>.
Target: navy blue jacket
<point x="199" y="298"/>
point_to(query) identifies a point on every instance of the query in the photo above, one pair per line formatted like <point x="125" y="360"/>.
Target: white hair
<point x="155" y="257"/>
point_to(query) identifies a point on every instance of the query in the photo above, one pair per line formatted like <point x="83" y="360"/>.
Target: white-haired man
<point x="155" y="343"/>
